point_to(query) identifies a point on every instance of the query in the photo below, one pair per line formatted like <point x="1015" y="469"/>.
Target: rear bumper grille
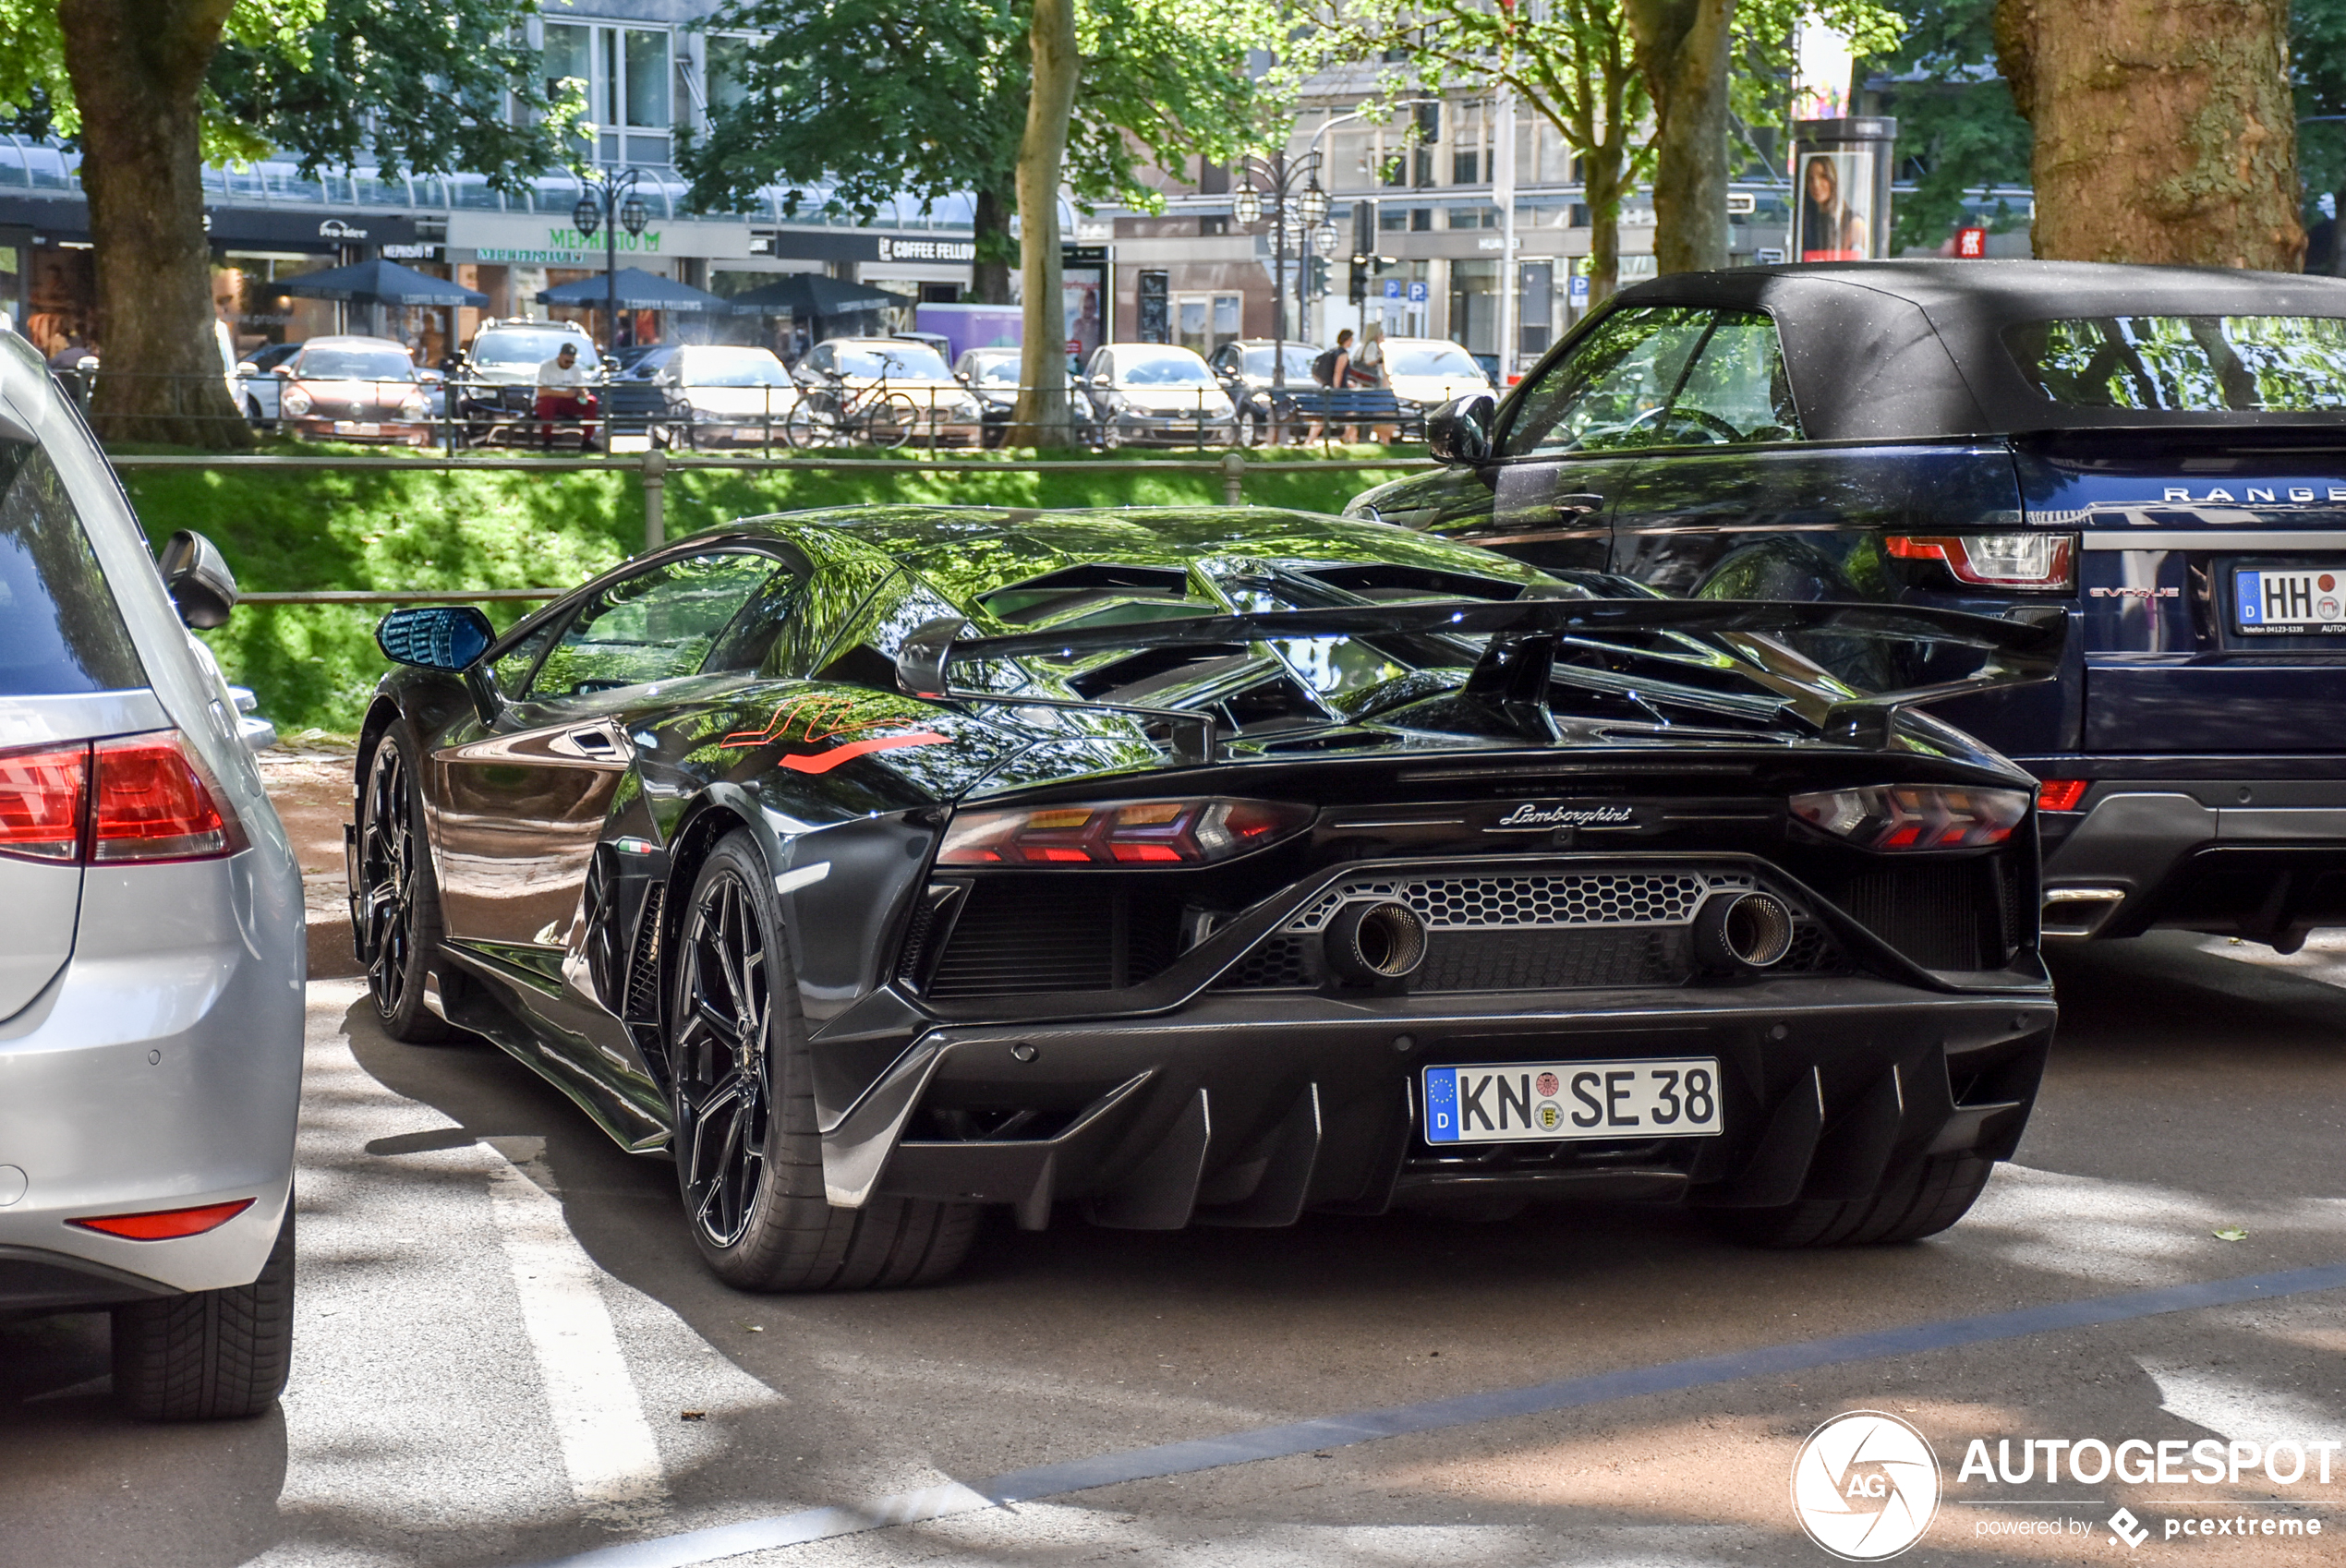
<point x="1540" y="931"/>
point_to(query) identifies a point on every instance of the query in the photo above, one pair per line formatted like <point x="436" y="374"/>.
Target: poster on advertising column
<point x="1835" y="214"/>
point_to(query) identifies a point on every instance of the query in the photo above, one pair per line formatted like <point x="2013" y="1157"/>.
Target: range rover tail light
<point x="137" y="798"/>
<point x="1915" y="816"/>
<point x="2062" y="794"/>
<point x="1128" y="833"/>
<point x="1995" y="560"/>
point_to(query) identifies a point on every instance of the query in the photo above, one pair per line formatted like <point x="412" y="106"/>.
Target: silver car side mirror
<point x="195" y="575"/>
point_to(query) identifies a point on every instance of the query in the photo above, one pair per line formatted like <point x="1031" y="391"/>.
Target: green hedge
<point x="313" y="665"/>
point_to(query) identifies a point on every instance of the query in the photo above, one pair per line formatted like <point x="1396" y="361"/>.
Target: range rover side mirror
<point x="449" y="637"/>
<point x="1460" y="434"/>
<point x="195" y="575"/>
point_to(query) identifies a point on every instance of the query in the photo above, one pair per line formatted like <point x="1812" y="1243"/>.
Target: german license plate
<point x="2305" y="601"/>
<point x="356" y="428"/>
<point x="1556" y="1101"/>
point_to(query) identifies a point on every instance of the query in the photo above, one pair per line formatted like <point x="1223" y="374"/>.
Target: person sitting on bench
<point x="562" y="394"/>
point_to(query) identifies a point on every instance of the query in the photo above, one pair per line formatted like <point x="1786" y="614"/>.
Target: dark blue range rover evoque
<point x="2158" y="453"/>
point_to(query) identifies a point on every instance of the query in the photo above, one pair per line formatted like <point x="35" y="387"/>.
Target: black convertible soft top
<point x="1890" y="350"/>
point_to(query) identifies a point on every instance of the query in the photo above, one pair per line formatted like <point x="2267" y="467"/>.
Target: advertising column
<point x="1841" y="172"/>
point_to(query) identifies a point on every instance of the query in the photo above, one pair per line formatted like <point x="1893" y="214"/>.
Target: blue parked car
<point x="2156" y="454"/>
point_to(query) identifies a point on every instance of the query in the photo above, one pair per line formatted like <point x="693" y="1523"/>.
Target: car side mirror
<point x="449" y="637"/>
<point x="246" y="368"/>
<point x="195" y="575"/>
<point x="284" y="370"/>
<point x="1459" y="434"/>
<point x="610" y="361"/>
<point x="1104" y="380"/>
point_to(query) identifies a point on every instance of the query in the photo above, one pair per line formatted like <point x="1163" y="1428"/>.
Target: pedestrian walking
<point x="1332" y="369"/>
<point x="1367" y="371"/>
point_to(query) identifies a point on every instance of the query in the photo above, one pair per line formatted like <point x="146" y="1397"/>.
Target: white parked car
<point x="1430" y="373"/>
<point x="727" y="391"/>
<point x="1155" y="392"/>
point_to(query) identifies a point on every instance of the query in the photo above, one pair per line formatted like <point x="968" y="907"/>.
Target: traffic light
<point x="1318" y="287"/>
<point x="1356" y="289"/>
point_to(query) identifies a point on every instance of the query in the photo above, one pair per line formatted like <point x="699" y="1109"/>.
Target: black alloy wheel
<point x="748" y="1158"/>
<point x="725" y="1095"/>
<point x="396" y="904"/>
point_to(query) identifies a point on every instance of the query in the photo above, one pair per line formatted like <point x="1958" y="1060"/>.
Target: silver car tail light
<point x="137" y="797"/>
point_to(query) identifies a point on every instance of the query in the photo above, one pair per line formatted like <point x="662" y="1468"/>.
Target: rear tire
<point x="397" y="920"/>
<point x="748" y="1158"/>
<point x="1922" y="1199"/>
<point x="210" y="1355"/>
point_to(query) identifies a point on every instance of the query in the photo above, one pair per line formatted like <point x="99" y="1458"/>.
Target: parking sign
<point x="1392" y="288"/>
<point x="1417" y="293"/>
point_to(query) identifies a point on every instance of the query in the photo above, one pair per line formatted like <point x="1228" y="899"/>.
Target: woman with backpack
<point x="1332" y="369"/>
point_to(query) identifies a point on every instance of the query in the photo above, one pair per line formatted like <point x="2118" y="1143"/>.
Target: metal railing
<point x="652" y="469"/>
<point x="470" y="413"/>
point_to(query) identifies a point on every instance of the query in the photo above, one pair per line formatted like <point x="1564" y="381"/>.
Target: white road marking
<point x="607" y="1445"/>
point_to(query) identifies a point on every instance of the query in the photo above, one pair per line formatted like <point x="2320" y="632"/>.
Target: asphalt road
<point x="508" y="1353"/>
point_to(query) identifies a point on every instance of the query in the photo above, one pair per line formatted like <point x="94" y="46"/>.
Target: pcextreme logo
<point x="1865" y="1486"/>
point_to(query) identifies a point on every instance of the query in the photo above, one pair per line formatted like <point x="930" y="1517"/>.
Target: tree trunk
<point x="2165" y="128"/>
<point x="1041" y="418"/>
<point x="138" y="69"/>
<point x="997" y="248"/>
<point x="1600" y="172"/>
<point x="1681" y="53"/>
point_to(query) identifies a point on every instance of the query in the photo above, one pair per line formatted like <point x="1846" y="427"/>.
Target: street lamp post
<point x="609" y="202"/>
<point x="1289" y="195"/>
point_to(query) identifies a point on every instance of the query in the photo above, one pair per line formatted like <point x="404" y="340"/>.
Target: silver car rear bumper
<point x="160" y="1068"/>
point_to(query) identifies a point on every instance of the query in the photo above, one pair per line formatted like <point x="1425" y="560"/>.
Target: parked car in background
<point x="258" y="386"/>
<point x="1428" y="374"/>
<point x="353" y="389"/>
<point x="497" y="378"/>
<point x="2155" y="457"/>
<point x="1154" y="394"/>
<point x="1203" y="866"/>
<point x="993" y="374"/>
<point x="1243" y="368"/>
<point x="841" y="376"/>
<point x="719" y="393"/>
<point x="151" y="942"/>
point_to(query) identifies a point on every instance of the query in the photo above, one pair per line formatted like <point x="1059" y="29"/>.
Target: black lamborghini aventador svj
<point x="1206" y="867"/>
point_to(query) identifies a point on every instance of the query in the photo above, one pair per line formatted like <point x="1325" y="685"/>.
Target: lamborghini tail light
<point x="1995" y="560"/>
<point x="137" y="797"/>
<point x="1915" y="816"/>
<point x="1129" y="833"/>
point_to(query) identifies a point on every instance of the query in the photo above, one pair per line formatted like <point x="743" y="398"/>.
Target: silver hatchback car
<point x="151" y="951"/>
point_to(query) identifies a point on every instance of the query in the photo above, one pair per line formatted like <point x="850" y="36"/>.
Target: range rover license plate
<point x="1555" y="1101"/>
<point x="2304" y="602"/>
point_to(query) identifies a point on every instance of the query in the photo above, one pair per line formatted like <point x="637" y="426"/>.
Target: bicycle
<point x="873" y="417"/>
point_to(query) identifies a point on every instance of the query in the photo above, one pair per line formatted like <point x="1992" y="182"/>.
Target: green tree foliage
<point x="850" y="104"/>
<point x="1958" y="133"/>
<point x="1567" y="61"/>
<point x="2317" y="61"/>
<point x="427" y="87"/>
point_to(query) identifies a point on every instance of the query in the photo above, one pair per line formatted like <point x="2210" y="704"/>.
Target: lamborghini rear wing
<point x="1511" y="679"/>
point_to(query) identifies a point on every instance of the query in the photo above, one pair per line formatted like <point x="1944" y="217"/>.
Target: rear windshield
<point x="355" y="365"/>
<point x="61" y="633"/>
<point x="524" y="348"/>
<point x="2187" y="364"/>
<point x="904" y="361"/>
